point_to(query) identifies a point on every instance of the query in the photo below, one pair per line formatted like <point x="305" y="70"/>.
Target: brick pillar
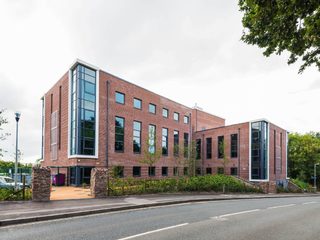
<point x="41" y="183"/>
<point x="98" y="182"/>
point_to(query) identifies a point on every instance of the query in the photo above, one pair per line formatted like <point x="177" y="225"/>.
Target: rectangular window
<point x="152" y="171"/>
<point x="165" y="141"/>
<point x="185" y="171"/>
<point x="119" y="134"/>
<point x="118" y="171"/>
<point x="176" y="142"/>
<point x="164" y="171"/>
<point x="234" y="145"/>
<point x="119" y="97"/>
<point x="198" y="148"/>
<point x="186" y="119"/>
<point x="209" y="148"/>
<point x="220" y="146"/>
<point x="198" y="171"/>
<point x="175" y="171"/>
<point x="208" y="171"/>
<point x="136" y="171"/>
<point x="136" y="137"/>
<point x="152" y="108"/>
<point x="137" y="103"/>
<point x="220" y="170"/>
<point x="234" y="171"/>
<point x="152" y="137"/>
<point x="165" y="112"/>
<point x="176" y="116"/>
<point x="60" y="107"/>
<point x="185" y="144"/>
<point x="54" y="136"/>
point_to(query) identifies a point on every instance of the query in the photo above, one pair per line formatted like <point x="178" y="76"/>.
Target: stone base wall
<point x="293" y="187"/>
<point x="98" y="182"/>
<point x="268" y="187"/>
<point x="41" y="183"/>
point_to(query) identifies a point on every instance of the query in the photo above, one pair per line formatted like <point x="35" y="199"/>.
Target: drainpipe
<point x="189" y="140"/>
<point x="107" y="125"/>
<point x="202" y="156"/>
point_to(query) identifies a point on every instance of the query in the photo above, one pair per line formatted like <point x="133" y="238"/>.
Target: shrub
<point x="12" y="195"/>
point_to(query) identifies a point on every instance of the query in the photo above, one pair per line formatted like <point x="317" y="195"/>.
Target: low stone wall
<point x="98" y="182"/>
<point x="268" y="187"/>
<point x="41" y="183"/>
<point x="294" y="188"/>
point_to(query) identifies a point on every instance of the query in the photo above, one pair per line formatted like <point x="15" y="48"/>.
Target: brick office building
<point x="92" y="118"/>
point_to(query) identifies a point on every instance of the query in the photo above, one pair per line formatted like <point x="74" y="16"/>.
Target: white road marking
<point x="306" y="203"/>
<point x="233" y="214"/>
<point x="281" y="206"/>
<point x="153" y="231"/>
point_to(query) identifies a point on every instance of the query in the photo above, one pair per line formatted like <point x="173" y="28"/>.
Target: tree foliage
<point x="3" y="135"/>
<point x="303" y="153"/>
<point x="279" y="25"/>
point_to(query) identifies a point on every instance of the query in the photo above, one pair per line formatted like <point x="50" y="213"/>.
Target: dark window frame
<point x="165" y="139"/>
<point x="234" y="145"/>
<point x="140" y="133"/>
<point x="124" y="97"/>
<point x="151" y="171"/>
<point x="198" y="149"/>
<point x="184" y="119"/>
<point x="137" y="168"/>
<point x="166" y="172"/>
<point x="118" y="134"/>
<point x="155" y="108"/>
<point x="220" y="151"/>
<point x="209" y="148"/>
<point x="174" y="116"/>
<point x="167" y="110"/>
<point x="176" y="143"/>
<point x="137" y="99"/>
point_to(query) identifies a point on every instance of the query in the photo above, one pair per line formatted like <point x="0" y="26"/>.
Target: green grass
<point x="301" y="184"/>
<point x="208" y="183"/>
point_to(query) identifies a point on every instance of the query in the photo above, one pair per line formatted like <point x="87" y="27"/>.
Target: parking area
<point x="64" y="193"/>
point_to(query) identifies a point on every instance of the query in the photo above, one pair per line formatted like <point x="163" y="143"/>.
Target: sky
<point x="189" y="51"/>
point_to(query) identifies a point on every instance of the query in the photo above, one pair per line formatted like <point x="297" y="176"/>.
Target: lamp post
<point x="17" y="115"/>
<point x="315" y="176"/>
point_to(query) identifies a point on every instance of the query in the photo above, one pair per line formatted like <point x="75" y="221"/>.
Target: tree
<point x="303" y="153"/>
<point x="3" y="136"/>
<point x="279" y="25"/>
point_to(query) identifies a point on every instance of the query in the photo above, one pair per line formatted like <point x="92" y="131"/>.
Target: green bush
<point x="208" y="183"/>
<point x="12" y="195"/>
<point x="301" y="184"/>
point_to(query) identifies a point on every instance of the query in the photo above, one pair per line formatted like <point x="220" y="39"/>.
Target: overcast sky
<point x="188" y="51"/>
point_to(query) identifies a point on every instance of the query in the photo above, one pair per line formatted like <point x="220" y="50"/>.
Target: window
<point x="234" y="171"/>
<point x="118" y="171"/>
<point x="186" y="119"/>
<point x="137" y="103"/>
<point x="136" y="171"/>
<point x="185" y="171"/>
<point x="152" y="137"/>
<point x="164" y="171"/>
<point x="83" y="111"/>
<point x="234" y="145"/>
<point x="119" y="97"/>
<point x="185" y="144"/>
<point x="198" y="171"/>
<point x="136" y="137"/>
<point x="209" y="148"/>
<point x="198" y="148"/>
<point x="165" y="112"/>
<point x="54" y="136"/>
<point x="208" y="171"/>
<point x="152" y="171"/>
<point x="152" y="108"/>
<point x="220" y="146"/>
<point x="176" y="142"/>
<point x="165" y="141"/>
<point x="175" y="171"/>
<point x="119" y="134"/>
<point x="176" y="116"/>
<point x="220" y="170"/>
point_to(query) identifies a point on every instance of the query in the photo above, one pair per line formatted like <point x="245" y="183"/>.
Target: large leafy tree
<point x="279" y="25"/>
<point x="303" y="153"/>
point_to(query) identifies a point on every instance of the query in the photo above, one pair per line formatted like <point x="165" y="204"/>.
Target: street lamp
<point x="17" y="115"/>
<point x="315" y="176"/>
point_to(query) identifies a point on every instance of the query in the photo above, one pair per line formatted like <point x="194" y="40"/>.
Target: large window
<point x="209" y="148"/>
<point x="185" y="144"/>
<point x="152" y="138"/>
<point x="234" y="145"/>
<point x="165" y="141"/>
<point x="119" y="134"/>
<point x="198" y="148"/>
<point x="136" y="137"/>
<point x="83" y="111"/>
<point x="165" y="112"/>
<point x="152" y="108"/>
<point x="221" y="146"/>
<point x="119" y="97"/>
<point x="259" y="150"/>
<point x="176" y="142"/>
<point x="137" y="103"/>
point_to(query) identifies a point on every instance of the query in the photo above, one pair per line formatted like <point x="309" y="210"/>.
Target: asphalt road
<point x="277" y="218"/>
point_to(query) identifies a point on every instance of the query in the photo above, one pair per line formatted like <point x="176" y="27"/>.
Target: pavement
<point x="286" y="218"/>
<point x="69" y="192"/>
<point x="28" y="211"/>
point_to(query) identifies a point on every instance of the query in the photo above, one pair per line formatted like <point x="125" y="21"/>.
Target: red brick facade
<point x="201" y="125"/>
